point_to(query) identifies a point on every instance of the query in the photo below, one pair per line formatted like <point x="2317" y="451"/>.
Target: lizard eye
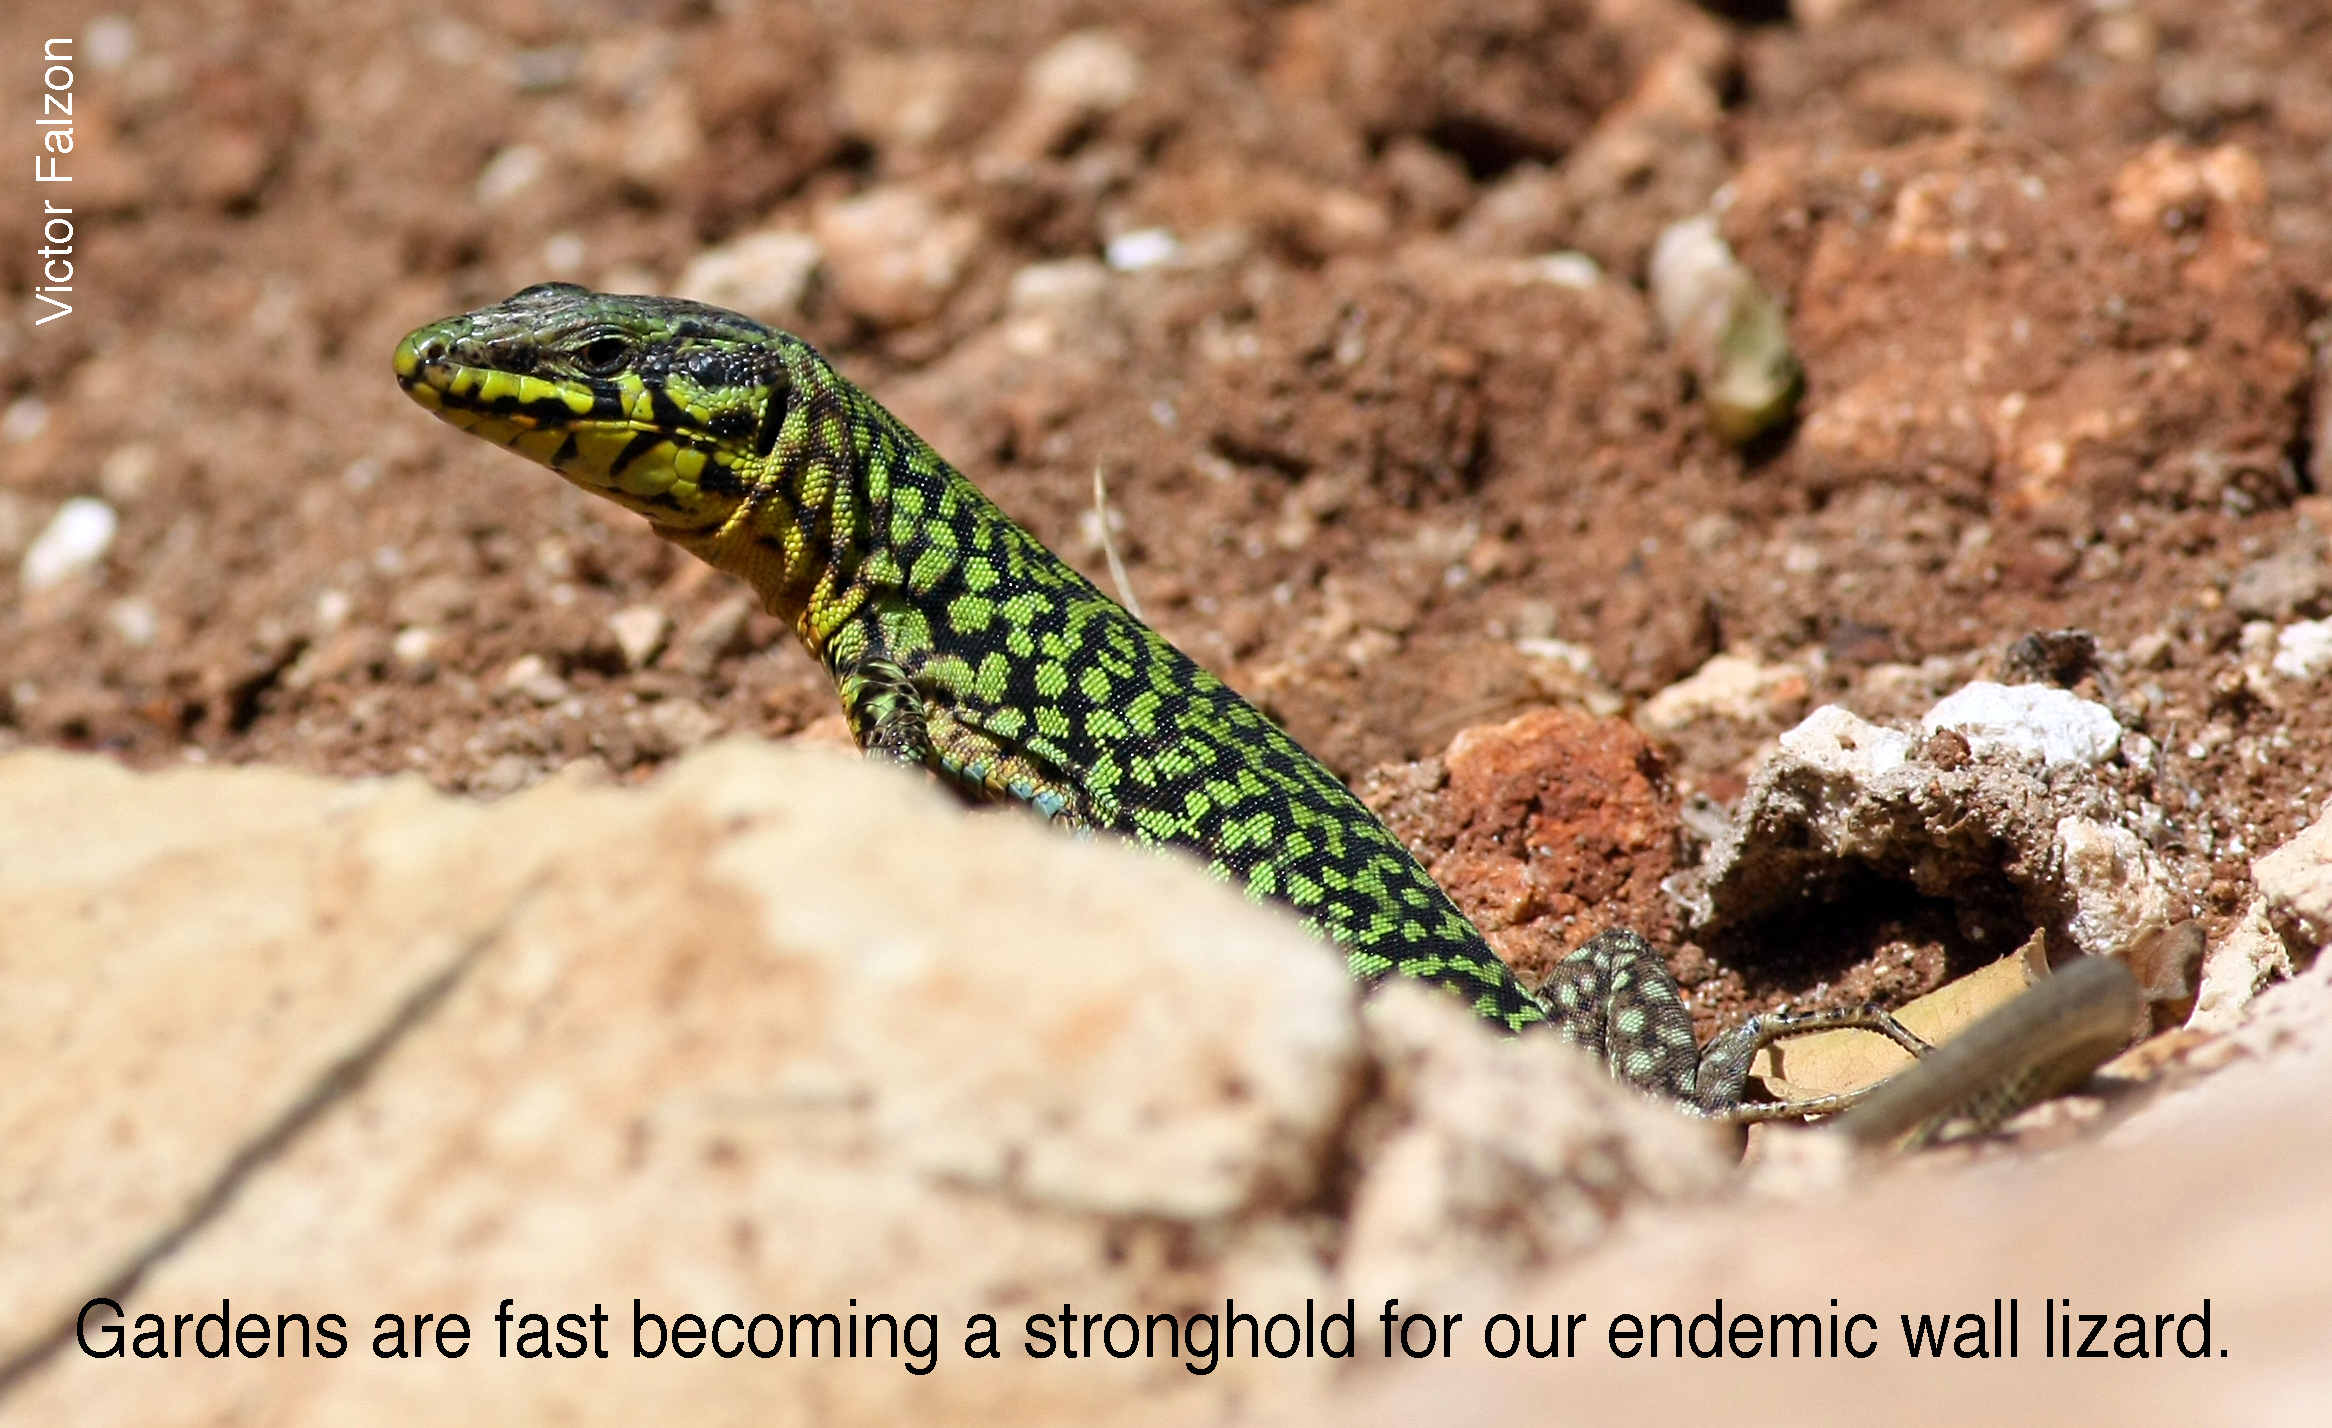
<point x="603" y="356"/>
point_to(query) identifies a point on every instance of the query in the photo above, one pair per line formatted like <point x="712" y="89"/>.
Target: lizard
<point x="960" y="645"/>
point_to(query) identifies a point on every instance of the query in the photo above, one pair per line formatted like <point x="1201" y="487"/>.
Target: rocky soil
<point x="1352" y="305"/>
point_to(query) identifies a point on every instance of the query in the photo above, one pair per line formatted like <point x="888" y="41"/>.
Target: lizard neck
<point x="811" y="535"/>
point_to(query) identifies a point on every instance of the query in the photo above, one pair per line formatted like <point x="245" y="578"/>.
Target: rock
<point x="1514" y="1151"/>
<point x="1726" y="328"/>
<point x="128" y="471"/>
<point x="1957" y="818"/>
<point x="1090" y="72"/>
<point x="900" y="100"/>
<point x="777" y="1032"/>
<point x="532" y="676"/>
<point x="674" y="726"/>
<point x="763" y="275"/>
<point x="2052" y="725"/>
<point x="511" y="172"/>
<point x="2295" y="884"/>
<point x="2290" y="582"/>
<point x="719" y="633"/>
<point x="1546" y="829"/>
<point x="2236" y="968"/>
<point x="893" y="255"/>
<point x="2231" y="1146"/>
<point x="1565" y="673"/>
<point x="1077" y="79"/>
<point x="1736" y="687"/>
<point x="1142" y="249"/>
<point x="135" y="621"/>
<point x="2303" y="650"/>
<point x="72" y="543"/>
<point x="639" y="632"/>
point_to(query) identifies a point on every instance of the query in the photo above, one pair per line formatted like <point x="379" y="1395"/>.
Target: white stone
<point x="1091" y="70"/>
<point x="532" y="676"/>
<point x="26" y="418"/>
<point x="1693" y="276"/>
<point x="763" y="275"/>
<point x="1064" y="285"/>
<point x="510" y="173"/>
<point x="135" y="621"/>
<point x="639" y="632"/>
<point x="2304" y="650"/>
<point x="1142" y="249"/>
<point x="413" y="644"/>
<point x="76" y="538"/>
<point x="2053" y="725"/>
<point x="1567" y="269"/>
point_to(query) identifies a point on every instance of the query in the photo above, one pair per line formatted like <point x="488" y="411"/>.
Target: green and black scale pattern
<point x="960" y="644"/>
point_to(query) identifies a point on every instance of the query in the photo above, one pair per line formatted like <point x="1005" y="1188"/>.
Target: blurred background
<point x="1350" y="300"/>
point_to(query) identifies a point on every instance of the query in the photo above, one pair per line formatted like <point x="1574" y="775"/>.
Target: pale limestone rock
<point x="1505" y="1154"/>
<point x="780" y="1032"/>
<point x="2284" y="929"/>
<point x="2201" y="1193"/>
<point x="776" y="1032"/>
<point x="1726" y="328"/>
<point x="2236" y="967"/>
<point x="183" y="958"/>
<point x="1077" y="78"/>
<point x="2295" y="883"/>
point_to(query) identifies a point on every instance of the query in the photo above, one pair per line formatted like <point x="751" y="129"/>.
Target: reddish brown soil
<point x="2054" y="270"/>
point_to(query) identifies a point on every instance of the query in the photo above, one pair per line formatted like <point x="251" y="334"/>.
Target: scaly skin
<point x="960" y="644"/>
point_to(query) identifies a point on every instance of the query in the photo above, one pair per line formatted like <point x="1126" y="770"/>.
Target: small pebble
<point x="2054" y="724"/>
<point x="1142" y="249"/>
<point x="639" y="632"/>
<point x="77" y="537"/>
<point x="2304" y="650"/>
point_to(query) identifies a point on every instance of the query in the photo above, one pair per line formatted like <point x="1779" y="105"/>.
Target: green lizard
<point x="961" y="645"/>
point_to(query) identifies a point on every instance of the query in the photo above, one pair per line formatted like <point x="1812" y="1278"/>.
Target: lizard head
<point x="669" y="408"/>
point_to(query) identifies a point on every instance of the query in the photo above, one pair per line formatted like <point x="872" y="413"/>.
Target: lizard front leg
<point x="888" y="717"/>
<point x="896" y="718"/>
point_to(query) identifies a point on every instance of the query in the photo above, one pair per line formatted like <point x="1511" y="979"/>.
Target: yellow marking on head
<point x="688" y="465"/>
